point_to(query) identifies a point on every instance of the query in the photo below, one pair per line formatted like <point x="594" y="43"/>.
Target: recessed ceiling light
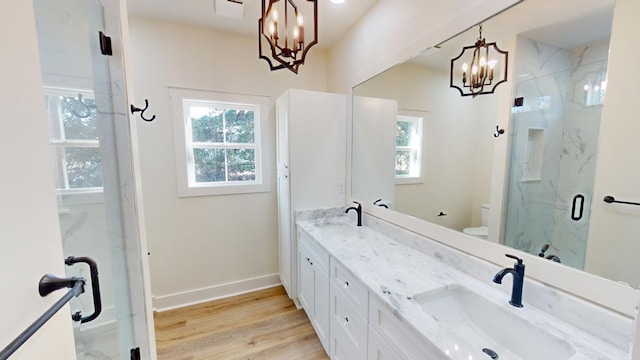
<point x="337" y="1"/>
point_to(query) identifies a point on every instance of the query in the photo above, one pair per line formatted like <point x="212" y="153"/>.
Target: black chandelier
<point x="481" y="69"/>
<point x="282" y="27"/>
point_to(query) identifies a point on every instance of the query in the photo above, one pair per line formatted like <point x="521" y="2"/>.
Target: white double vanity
<point x="381" y="292"/>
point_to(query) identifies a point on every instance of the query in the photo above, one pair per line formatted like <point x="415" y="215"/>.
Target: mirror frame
<point x="606" y="293"/>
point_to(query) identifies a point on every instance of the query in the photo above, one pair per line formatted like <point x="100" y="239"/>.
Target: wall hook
<point x="442" y="214"/>
<point x="137" y="109"/>
<point x="498" y="131"/>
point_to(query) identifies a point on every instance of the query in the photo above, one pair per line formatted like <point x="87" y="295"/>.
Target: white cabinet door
<point x="287" y="259"/>
<point x="322" y="308"/>
<point x="282" y="133"/>
<point x="306" y="293"/>
<point x="379" y="349"/>
<point x="313" y="285"/>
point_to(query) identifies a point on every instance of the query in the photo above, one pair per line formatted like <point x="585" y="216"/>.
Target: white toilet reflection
<point x="480" y="231"/>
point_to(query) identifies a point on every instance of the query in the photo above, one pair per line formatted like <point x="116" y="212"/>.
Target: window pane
<point x="207" y="124"/>
<point x="57" y="154"/>
<point x="240" y="127"/>
<point x="403" y="133"/>
<point x="209" y="165"/>
<point x="403" y="162"/>
<point x="242" y="164"/>
<point x="83" y="167"/>
<point x="78" y="117"/>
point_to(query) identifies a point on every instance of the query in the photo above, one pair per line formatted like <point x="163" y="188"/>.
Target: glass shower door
<point x="553" y="156"/>
<point x="90" y="137"/>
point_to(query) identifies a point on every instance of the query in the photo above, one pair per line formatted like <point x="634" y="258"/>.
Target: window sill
<point x="409" y="180"/>
<point x="74" y="198"/>
<point x="209" y="190"/>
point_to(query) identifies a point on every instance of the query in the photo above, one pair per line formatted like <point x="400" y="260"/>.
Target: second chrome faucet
<point x="518" y="279"/>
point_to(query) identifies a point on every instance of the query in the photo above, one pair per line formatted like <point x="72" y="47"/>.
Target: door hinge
<point x="519" y="101"/>
<point x="105" y="44"/>
<point x="135" y="354"/>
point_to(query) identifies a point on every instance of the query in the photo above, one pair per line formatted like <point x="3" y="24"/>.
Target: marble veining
<point x="413" y="264"/>
<point x="563" y="92"/>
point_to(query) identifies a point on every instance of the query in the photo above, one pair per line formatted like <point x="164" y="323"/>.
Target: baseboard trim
<point x="197" y="296"/>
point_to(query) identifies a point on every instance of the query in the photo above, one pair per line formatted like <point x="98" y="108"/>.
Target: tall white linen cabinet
<point x="311" y="163"/>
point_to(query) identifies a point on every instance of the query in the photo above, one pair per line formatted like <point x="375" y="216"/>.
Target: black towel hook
<point x="137" y="109"/>
<point x="498" y="131"/>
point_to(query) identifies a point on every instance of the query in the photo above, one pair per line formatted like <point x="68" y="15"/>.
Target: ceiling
<point x="564" y="23"/>
<point x="333" y="19"/>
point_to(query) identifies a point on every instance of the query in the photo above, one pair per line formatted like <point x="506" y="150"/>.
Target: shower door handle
<point x="95" y="288"/>
<point x="577" y="208"/>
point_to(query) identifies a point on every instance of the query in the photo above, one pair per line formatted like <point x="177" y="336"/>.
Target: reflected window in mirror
<point x="409" y="137"/>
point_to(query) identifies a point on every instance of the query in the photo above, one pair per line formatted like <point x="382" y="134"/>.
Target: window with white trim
<point x="73" y="135"/>
<point x="408" y="149"/>
<point x="219" y="142"/>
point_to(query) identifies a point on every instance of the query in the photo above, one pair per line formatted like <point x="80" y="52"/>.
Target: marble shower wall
<point x="554" y="143"/>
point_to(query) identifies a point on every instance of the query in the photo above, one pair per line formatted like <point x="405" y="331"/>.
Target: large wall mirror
<point x="430" y="153"/>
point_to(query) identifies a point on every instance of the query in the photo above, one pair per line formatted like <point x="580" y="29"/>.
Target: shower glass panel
<point x="90" y="157"/>
<point x="553" y="157"/>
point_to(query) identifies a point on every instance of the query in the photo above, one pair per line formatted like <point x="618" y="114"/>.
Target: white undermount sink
<point x="337" y="227"/>
<point x="475" y="328"/>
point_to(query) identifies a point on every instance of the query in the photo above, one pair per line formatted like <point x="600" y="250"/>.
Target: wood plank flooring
<point x="256" y="326"/>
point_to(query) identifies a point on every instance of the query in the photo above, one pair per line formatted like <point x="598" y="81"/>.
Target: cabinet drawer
<point x="351" y="287"/>
<point x="348" y="326"/>
<point x="397" y="335"/>
<point x="342" y="348"/>
<point x="319" y="255"/>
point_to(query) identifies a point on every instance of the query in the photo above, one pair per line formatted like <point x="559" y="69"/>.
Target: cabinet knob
<point x="346" y="284"/>
<point x="346" y="320"/>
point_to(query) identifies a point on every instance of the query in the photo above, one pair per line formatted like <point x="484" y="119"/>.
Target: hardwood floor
<point x="255" y="326"/>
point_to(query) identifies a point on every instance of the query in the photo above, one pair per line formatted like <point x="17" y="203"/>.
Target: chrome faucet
<point x="358" y="210"/>
<point x="518" y="279"/>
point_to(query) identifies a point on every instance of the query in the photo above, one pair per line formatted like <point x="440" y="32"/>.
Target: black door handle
<point x="95" y="288"/>
<point x="577" y="210"/>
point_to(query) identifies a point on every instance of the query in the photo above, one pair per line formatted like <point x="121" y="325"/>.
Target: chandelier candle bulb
<point x="492" y="65"/>
<point x="272" y="29"/>
<point x="301" y="28"/>
<point x="465" y="67"/>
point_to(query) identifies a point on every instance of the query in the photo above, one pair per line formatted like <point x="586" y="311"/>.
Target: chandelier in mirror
<point x="479" y="68"/>
<point x="282" y="39"/>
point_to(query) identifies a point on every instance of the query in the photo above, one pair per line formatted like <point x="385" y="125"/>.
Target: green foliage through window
<point x="408" y="146"/>
<point x="73" y="133"/>
<point x="223" y="142"/>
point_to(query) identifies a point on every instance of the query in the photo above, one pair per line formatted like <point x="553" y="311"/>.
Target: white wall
<point x="30" y="242"/>
<point x="200" y="243"/>
<point x="614" y="227"/>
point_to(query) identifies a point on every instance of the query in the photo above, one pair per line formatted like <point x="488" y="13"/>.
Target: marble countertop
<point x="407" y="272"/>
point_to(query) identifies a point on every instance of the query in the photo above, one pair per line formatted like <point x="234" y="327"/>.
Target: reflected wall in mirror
<point x="558" y="71"/>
